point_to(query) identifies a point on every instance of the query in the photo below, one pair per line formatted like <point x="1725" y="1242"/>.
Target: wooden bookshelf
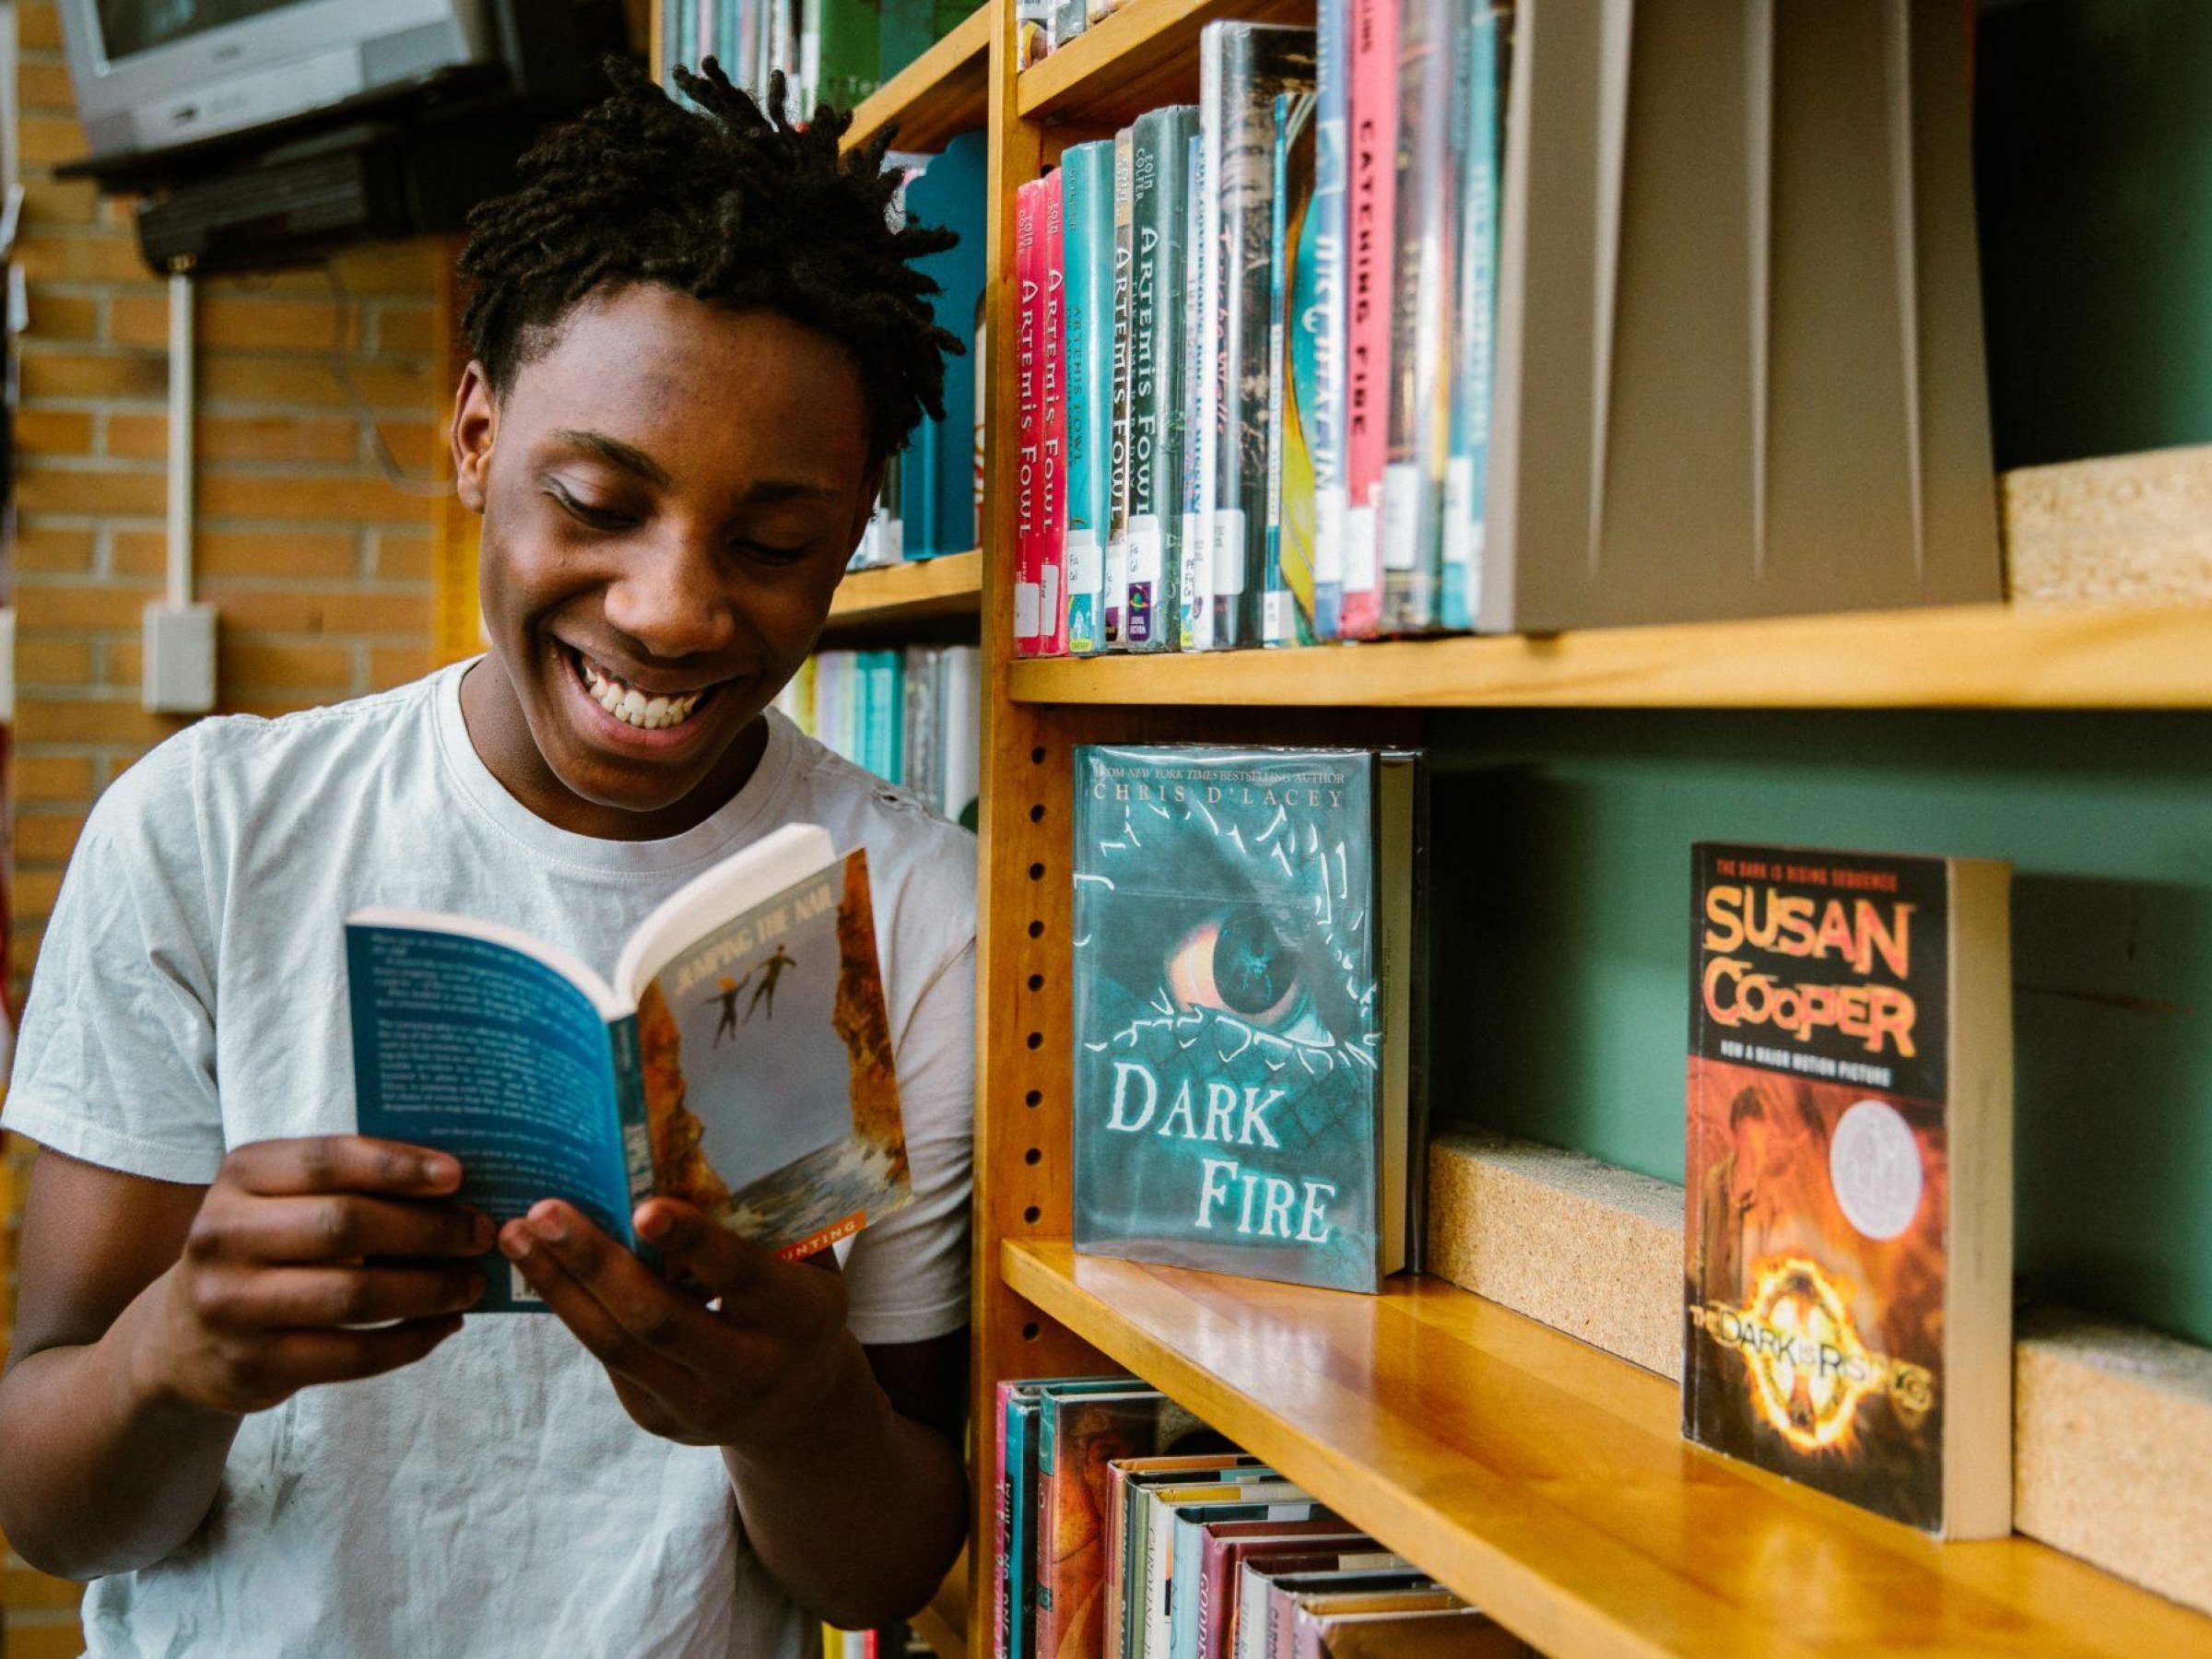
<point x="944" y="1623"/>
<point x="899" y="595"/>
<point x="1548" y="1481"/>
<point x="941" y="94"/>
<point x="1963" y="656"/>
<point x="1142" y="56"/>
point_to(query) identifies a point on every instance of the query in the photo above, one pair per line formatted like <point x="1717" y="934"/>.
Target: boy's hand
<point x="734" y="1375"/>
<point x="294" y="1241"/>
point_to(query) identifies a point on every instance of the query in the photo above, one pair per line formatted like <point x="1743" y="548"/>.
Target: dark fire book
<point x="1248" y="1033"/>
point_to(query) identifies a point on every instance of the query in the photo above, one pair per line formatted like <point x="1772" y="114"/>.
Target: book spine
<point x="1370" y="189"/>
<point x="1087" y="208"/>
<point x="1482" y="57"/>
<point x="629" y="1106"/>
<point x="1159" y="179"/>
<point x="1029" y="542"/>
<point x="1289" y="617"/>
<point x="1001" y="1544"/>
<point x="1194" y="624"/>
<point x="1032" y="31"/>
<point x="1051" y="350"/>
<point x="1417" y="430"/>
<point x="1069" y="20"/>
<point x="1022" y="1591"/>
<point x="1326" y="432"/>
<point x="1117" y="536"/>
<point x="1240" y="167"/>
<point x="848" y="54"/>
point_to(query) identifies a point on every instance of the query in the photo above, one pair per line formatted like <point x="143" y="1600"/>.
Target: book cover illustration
<point x="1081" y="1436"/>
<point x="1228" y="949"/>
<point x="751" y="1073"/>
<point x="1817" y="1172"/>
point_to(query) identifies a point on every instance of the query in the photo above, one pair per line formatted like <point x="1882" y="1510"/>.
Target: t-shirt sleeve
<point x="117" y="1061"/>
<point x="906" y="1279"/>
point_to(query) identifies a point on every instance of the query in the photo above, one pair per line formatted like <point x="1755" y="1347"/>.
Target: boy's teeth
<point x="634" y="707"/>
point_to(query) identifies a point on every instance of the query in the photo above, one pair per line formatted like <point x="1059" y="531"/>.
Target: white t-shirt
<point x="191" y="996"/>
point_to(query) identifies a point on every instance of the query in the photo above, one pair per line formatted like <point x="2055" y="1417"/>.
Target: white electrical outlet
<point x="179" y="659"/>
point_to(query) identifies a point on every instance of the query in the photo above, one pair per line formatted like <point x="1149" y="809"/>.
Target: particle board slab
<point x="2121" y="529"/>
<point x="1547" y="1482"/>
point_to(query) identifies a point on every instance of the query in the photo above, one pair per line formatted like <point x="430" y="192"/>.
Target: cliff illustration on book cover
<point x="1227" y="1011"/>
<point x="738" y="1018"/>
<point x="1817" y="1172"/>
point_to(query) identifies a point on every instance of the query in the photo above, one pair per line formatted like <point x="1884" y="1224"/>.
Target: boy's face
<point x="669" y="492"/>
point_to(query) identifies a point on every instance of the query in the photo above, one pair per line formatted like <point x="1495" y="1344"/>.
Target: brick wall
<point x="320" y="570"/>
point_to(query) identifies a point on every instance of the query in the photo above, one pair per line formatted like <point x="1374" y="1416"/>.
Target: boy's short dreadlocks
<point x="732" y="205"/>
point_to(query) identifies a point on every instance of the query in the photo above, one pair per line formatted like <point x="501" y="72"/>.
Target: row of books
<point x="911" y="716"/>
<point x="1256" y="343"/>
<point x="1127" y="1529"/>
<point x="835" y="52"/>
<point x="1250" y="1012"/>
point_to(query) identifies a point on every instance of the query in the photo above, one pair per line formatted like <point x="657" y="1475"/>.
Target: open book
<point x="741" y="1058"/>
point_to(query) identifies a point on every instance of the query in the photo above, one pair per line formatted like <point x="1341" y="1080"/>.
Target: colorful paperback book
<point x="1330" y="1631"/>
<point x="1117" y="536"/>
<point x="1848" y="1318"/>
<point x="1256" y="1568"/>
<point x="1159" y="210"/>
<point x="1324" y="256"/>
<point x="1370" y="193"/>
<point x="1227" y="1545"/>
<point x="1288" y="615"/>
<point x="1247" y="1066"/>
<point x="1052" y="351"/>
<point x="1194" y="611"/>
<point x="739" y="1058"/>
<point x="1163" y="1505"/>
<point x="1288" y="1591"/>
<point x="1090" y="335"/>
<point x="1192" y="1598"/>
<point x="1127" y="1479"/>
<point x="1029" y="633"/>
<point x="1241" y="69"/>
<point x="936" y="485"/>
<point x="1418" y="429"/>
<point x="1082" y="1434"/>
<point x="1484" y="43"/>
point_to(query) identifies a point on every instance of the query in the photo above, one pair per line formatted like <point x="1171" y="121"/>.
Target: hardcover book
<point x="1484" y="43"/>
<point x="1080" y="1435"/>
<point x="1248" y="1042"/>
<point x="1117" y="533"/>
<point x="936" y="490"/>
<point x="1014" y="1564"/>
<point x="1197" y="1599"/>
<point x="1242" y="68"/>
<point x="1346" y="1592"/>
<point x="1089" y="332"/>
<point x="1258" y="1568"/>
<point x="1194" y="612"/>
<point x="1159" y="209"/>
<point x="1848" y="1305"/>
<point x="1028" y="490"/>
<point x="1410" y="1628"/>
<point x="1052" y="366"/>
<point x="1168" y="1506"/>
<point x="1370" y="193"/>
<point x="1128" y="1482"/>
<point x="1324" y="257"/>
<point x="739" y="1058"/>
<point x="1289" y="608"/>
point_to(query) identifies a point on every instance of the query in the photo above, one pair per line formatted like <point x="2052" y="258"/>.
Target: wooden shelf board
<point x="1547" y="1481"/>
<point x="944" y="1623"/>
<point x="1139" y="58"/>
<point x="942" y="93"/>
<point x="1953" y="656"/>
<point x="915" y="591"/>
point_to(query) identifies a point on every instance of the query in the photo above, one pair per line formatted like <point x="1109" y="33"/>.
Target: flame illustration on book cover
<point x="785" y="1122"/>
<point x="1817" y="1173"/>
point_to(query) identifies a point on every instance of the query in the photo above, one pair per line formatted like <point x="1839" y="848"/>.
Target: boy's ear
<point x="475" y="423"/>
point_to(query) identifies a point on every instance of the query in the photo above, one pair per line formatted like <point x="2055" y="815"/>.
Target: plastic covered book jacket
<point x="1247" y="1040"/>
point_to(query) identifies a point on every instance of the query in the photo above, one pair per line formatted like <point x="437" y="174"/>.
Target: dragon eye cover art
<point x="1229" y="1028"/>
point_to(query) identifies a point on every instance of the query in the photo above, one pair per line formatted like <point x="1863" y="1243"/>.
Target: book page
<point x="768" y="1083"/>
<point x="477" y="1050"/>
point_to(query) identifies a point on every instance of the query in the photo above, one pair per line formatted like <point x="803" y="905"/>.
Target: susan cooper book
<point x="739" y="1059"/>
<point x="1248" y="1036"/>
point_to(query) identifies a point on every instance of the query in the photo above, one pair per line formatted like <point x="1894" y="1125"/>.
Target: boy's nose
<point x="672" y="604"/>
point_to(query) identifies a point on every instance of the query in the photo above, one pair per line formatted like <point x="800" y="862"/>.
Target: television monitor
<point x="153" y="76"/>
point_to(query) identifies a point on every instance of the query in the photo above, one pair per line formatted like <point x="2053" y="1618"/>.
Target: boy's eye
<point x="768" y="552"/>
<point x="584" y="513"/>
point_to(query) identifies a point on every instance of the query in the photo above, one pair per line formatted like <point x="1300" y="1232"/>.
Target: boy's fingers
<point x="340" y="1226"/>
<point x="341" y="1163"/>
<point x="314" y="1298"/>
<point x="577" y="1303"/>
<point x="308" y="1358"/>
<point x="725" y="1266"/>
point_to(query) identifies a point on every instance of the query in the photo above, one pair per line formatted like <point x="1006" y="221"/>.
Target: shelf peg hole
<point x="1033" y="1155"/>
<point x="1036" y="930"/>
<point x="1036" y="982"/>
<point x="1032" y="1215"/>
<point x="1034" y="1098"/>
<point x="1030" y="1331"/>
<point x="1037" y="756"/>
<point x="1036" y="1039"/>
<point x="1037" y="813"/>
<point x="1037" y="872"/>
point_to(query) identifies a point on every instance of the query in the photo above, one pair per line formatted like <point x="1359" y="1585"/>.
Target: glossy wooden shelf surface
<point x="1547" y="1482"/>
<point x="1138" y="58"/>
<point x="917" y="590"/>
<point x="1955" y="657"/>
<point x="944" y="92"/>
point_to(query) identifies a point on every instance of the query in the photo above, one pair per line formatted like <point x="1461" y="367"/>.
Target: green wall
<point x="2094" y="172"/>
<point x="1561" y="881"/>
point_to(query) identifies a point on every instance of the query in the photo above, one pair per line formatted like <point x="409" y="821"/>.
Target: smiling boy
<point x="695" y="340"/>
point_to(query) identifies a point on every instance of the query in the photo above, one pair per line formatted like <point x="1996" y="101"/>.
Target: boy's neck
<point x="501" y="735"/>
